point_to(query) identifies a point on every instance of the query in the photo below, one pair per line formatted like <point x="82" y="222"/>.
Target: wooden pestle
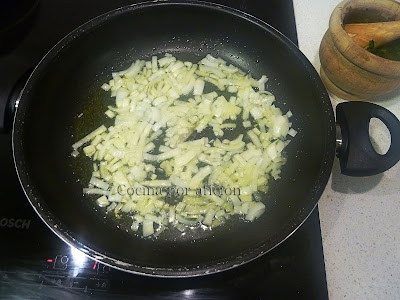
<point x="381" y="33"/>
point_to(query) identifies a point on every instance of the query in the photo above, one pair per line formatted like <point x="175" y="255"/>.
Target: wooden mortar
<point x="348" y="70"/>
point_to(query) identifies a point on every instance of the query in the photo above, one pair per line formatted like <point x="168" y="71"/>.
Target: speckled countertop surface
<point x="360" y="217"/>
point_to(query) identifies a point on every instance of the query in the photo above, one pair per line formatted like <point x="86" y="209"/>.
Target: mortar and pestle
<point x="349" y="69"/>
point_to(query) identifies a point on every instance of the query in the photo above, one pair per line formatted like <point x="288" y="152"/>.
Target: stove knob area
<point x="103" y="269"/>
<point x="61" y="262"/>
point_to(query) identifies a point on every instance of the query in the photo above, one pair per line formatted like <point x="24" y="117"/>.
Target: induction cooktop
<point x="36" y="264"/>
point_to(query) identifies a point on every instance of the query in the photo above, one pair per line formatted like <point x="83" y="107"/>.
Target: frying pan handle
<point x="4" y="122"/>
<point x="9" y="105"/>
<point x="356" y="154"/>
<point x="6" y="115"/>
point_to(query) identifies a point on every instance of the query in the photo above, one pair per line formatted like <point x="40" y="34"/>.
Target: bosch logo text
<point x="15" y="223"/>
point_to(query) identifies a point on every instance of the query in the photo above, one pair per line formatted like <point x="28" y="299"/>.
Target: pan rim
<point x="216" y="267"/>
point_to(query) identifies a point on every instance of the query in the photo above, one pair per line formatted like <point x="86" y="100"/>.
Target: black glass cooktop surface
<point x="36" y="264"/>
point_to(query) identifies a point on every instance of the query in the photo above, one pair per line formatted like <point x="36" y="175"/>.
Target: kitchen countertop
<point x="360" y="217"/>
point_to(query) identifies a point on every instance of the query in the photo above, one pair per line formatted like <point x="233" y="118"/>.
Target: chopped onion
<point x="261" y="83"/>
<point x="111" y="207"/>
<point x="182" y="220"/>
<point x="159" y="105"/>
<point x="199" y="177"/>
<point x="115" y="198"/>
<point x="246" y="124"/>
<point x="156" y="183"/>
<point x="75" y="153"/>
<point x="256" y="112"/>
<point x="91" y="191"/>
<point x="135" y="226"/>
<point x="198" y="87"/>
<point x="102" y="201"/>
<point x="99" y="183"/>
<point x="255" y="211"/>
<point x="292" y="132"/>
<point x="148" y="227"/>
<point x="89" y="137"/>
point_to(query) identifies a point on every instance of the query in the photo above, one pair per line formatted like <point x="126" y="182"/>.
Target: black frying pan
<point x="67" y="82"/>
